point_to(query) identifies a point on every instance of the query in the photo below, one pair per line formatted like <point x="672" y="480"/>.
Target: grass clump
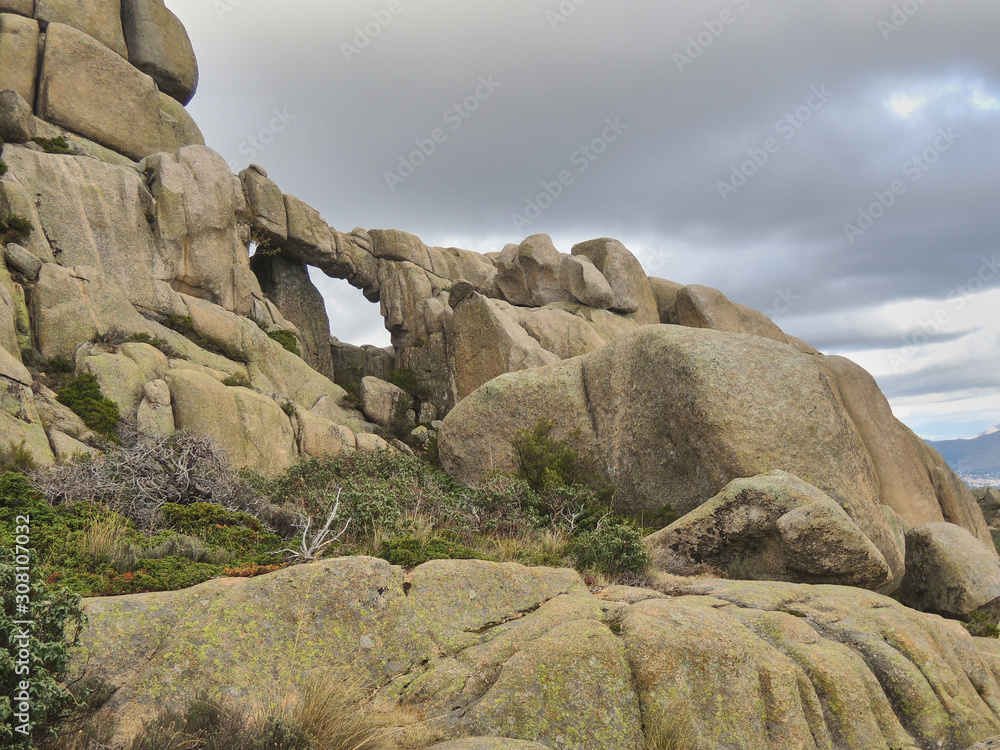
<point x="287" y="340"/>
<point x="83" y="396"/>
<point x="669" y="731"/>
<point x="17" y="458"/>
<point x="236" y="381"/>
<point x="57" y="145"/>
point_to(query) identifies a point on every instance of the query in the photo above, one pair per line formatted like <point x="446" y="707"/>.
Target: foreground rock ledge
<point x="530" y="654"/>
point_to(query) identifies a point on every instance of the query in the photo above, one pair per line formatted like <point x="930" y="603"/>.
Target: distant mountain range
<point x="976" y="461"/>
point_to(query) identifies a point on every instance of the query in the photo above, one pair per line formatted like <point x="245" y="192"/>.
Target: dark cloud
<point x="887" y="95"/>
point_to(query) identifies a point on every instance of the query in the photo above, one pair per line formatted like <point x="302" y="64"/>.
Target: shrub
<point x="58" y="365"/>
<point x="410" y="551"/>
<point x="980" y="625"/>
<point x="113" y="336"/>
<point x="3" y="168"/>
<point x="83" y="395"/>
<point x="16" y="457"/>
<point x="614" y="548"/>
<point x="235" y="381"/>
<point x="57" y="145"/>
<point x="157" y="343"/>
<point x="550" y="463"/>
<point x="406" y="379"/>
<point x="287" y="340"/>
<point x="42" y="656"/>
<point x="14" y="227"/>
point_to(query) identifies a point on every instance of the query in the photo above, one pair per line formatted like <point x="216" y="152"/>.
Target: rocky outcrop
<point x="674" y="414"/>
<point x="951" y="573"/>
<point x="787" y="529"/>
<point x="19" y="41"/>
<point x="506" y="652"/>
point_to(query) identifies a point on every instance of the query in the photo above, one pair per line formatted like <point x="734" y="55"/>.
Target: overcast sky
<point x="739" y="144"/>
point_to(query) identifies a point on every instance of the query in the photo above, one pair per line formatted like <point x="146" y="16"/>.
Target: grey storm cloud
<point x="810" y="113"/>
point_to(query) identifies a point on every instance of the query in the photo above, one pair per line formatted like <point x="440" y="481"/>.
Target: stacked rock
<point x="116" y="72"/>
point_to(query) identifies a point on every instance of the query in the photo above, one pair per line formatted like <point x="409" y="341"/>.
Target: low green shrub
<point x="979" y="624"/>
<point x="3" y="167"/>
<point x="235" y="381"/>
<point x="287" y="340"/>
<point x="613" y="548"/>
<point x="37" y="660"/>
<point x="83" y="395"/>
<point x="14" y="228"/>
<point x="157" y="343"/>
<point x="407" y="380"/>
<point x="57" y="145"/>
<point x="409" y="551"/>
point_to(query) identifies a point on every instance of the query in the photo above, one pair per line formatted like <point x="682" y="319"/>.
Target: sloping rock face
<point x="98" y="70"/>
<point x="674" y="414"/>
<point x="530" y="655"/>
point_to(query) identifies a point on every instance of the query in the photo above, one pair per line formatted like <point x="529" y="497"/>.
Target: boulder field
<point x="501" y="657"/>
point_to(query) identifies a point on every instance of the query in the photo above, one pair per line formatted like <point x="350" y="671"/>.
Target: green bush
<point x="3" y="168"/>
<point x="410" y="551"/>
<point x="83" y="395"/>
<point x="57" y="145"/>
<point x="548" y="462"/>
<point x="234" y="381"/>
<point x="14" y="227"/>
<point x="58" y="365"/>
<point x="287" y="340"/>
<point x="406" y="379"/>
<point x="614" y="548"/>
<point x="36" y="656"/>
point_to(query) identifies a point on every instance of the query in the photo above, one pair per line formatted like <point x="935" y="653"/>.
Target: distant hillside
<point x="977" y="461"/>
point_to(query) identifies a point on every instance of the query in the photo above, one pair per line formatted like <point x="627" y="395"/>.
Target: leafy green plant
<point x="407" y="380"/>
<point x="33" y="699"/>
<point x="614" y="548"/>
<point x="3" y="167"/>
<point x="180" y="323"/>
<point x="57" y="145"/>
<point x="58" y="365"/>
<point x="83" y="395"/>
<point x="287" y="340"/>
<point x="548" y="462"/>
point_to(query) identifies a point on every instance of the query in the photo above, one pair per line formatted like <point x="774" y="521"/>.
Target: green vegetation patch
<point x="410" y="551"/>
<point x="83" y="395"/>
<point x="57" y="145"/>
<point x="287" y="340"/>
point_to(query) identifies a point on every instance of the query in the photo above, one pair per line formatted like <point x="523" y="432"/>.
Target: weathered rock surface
<point x="159" y="46"/>
<point x="950" y="572"/>
<point x="19" y="54"/>
<point x="383" y="403"/>
<point x="674" y="414"/>
<point x="87" y="88"/>
<point x="632" y="292"/>
<point x="17" y="121"/>
<point x="530" y="655"/>
<point x="529" y="274"/>
<point x="790" y="530"/>
<point x="99" y="19"/>
<point x="23" y="7"/>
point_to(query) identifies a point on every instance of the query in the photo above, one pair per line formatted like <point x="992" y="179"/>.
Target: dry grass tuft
<point x="670" y="730"/>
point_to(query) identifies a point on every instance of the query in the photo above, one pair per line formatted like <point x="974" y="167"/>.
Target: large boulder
<point x="530" y="274"/>
<point x="17" y="121"/>
<point x="384" y="404"/>
<point x="19" y="54"/>
<point x="21" y="7"/>
<point x="950" y="572"/>
<point x="629" y="284"/>
<point x="99" y="19"/>
<point x="524" y="657"/>
<point x="269" y="218"/>
<point x="785" y="528"/>
<point x="159" y="46"/>
<point x="702" y="307"/>
<point x="674" y="414"/>
<point x="87" y="88"/>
